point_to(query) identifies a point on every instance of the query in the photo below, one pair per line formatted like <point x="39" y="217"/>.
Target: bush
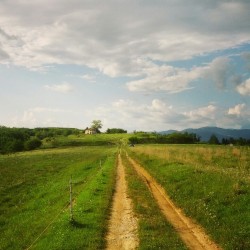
<point x="32" y="144"/>
<point x="116" y="131"/>
<point x="133" y="140"/>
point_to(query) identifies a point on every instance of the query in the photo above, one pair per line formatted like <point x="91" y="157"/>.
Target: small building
<point x="90" y="131"/>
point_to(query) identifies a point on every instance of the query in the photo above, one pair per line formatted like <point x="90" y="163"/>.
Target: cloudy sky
<point x="133" y="64"/>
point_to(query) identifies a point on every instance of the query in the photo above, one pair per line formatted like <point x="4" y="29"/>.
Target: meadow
<point x="86" y="140"/>
<point x="34" y="195"/>
<point x="210" y="183"/>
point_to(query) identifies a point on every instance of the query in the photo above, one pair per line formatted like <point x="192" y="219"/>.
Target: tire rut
<point x="122" y="233"/>
<point x="191" y="233"/>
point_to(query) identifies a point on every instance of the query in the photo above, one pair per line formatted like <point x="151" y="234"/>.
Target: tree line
<point x="174" y="138"/>
<point x="183" y="138"/>
<point x="229" y="141"/>
<point x="20" y="139"/>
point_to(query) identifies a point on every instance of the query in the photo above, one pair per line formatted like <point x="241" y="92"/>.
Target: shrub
<point x="32" y="144"/>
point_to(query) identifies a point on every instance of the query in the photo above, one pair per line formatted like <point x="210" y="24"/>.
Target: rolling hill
<point x="206" y="132"/>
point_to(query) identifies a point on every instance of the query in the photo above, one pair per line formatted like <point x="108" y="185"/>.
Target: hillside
<point x="206" y="132"/>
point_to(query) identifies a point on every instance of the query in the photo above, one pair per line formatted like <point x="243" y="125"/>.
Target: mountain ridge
<point x="205" y="133"/>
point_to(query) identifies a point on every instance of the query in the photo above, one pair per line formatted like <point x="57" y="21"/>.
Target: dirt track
<point x="123" y="223"/>
<point x="191" y="233"/>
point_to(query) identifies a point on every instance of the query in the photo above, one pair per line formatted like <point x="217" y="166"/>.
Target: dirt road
<point x="191" y="233"/>
<point x="123" y="223"/>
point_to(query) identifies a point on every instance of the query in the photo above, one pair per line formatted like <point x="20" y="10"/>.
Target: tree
<point x="116" y="131"/>
<point x="33" y="143"/>
<point x="213" y="139"/>
<point x="133" y="140"/>
<point x="97" y="125"/>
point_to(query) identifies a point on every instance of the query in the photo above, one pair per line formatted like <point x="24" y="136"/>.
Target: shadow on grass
<point x="77" y="224"/>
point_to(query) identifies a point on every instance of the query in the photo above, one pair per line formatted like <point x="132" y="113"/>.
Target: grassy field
<point x="210" y="183"/>
<point x="34" y="192"/>
<point x="86" y="140"/>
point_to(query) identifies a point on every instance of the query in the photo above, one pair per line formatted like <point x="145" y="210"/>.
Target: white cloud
<point x="101" y="36"/>
<point x="158" y="115"/>
<point x="207" y="111"/>
<point x="218" y="71"/>
<point x="244" y="88"/>
<point x="89" y="78"/>
<point x="136" y="39"/>
<point x="43" y="109"/>
<point x="202" y="116"/>
<point x="45" y="117"/>
<point x="28" y="119"/>
<point x="237" y="110"/>
<point x="132" y="115"/>
<point x="61" y="88"/>
<point x="172" y="80"/>
<point x="3" y="55"/>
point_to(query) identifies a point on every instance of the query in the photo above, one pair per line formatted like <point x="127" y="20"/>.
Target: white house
<point x="90" y="131"/>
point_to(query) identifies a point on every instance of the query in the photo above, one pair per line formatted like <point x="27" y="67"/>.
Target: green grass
<point x="86" y="140"/>
<point x="154" y="230"/>
<point x="35" y="188"/>
<point x="209" y="184"/>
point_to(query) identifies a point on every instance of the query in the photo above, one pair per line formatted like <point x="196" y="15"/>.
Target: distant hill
<point x="206" y="132"/>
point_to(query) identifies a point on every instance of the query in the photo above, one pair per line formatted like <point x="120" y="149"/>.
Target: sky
<point x="133" y="64"/>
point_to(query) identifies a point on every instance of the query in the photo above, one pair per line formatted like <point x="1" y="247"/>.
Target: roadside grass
<point x="154" y="231"/>
<point x="211" y="184"/>
<point x="88" y="228"/>
<point x="35" y="188"/>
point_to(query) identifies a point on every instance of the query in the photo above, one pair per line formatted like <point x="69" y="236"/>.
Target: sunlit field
<point x="210" y="183"/>
<point x="35" y="198"/>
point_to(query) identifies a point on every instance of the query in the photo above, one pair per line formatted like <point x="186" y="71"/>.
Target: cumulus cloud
<point x="172" y="79"/>
<point x="207" y="112"/>
<point x="133" y="115"/>
<point x="61" y="88"/>
<point x="110" y="36"/>
<point x="218" y="71"/>
<point x="136" y="39"/>
<point x="244" y="88"/>
<point x="159" y="115"/>
<point x="237" y="110"/>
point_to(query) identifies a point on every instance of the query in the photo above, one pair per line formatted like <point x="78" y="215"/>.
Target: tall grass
<point x="34" y="188"/>
<point x="210" y="183"/>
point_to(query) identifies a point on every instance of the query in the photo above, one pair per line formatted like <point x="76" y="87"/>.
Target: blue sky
<point x="137" y="65"/>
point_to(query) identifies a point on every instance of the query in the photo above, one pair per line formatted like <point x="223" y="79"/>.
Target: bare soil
<point x="122" y="232"/>
<point x="192" y="234"/>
